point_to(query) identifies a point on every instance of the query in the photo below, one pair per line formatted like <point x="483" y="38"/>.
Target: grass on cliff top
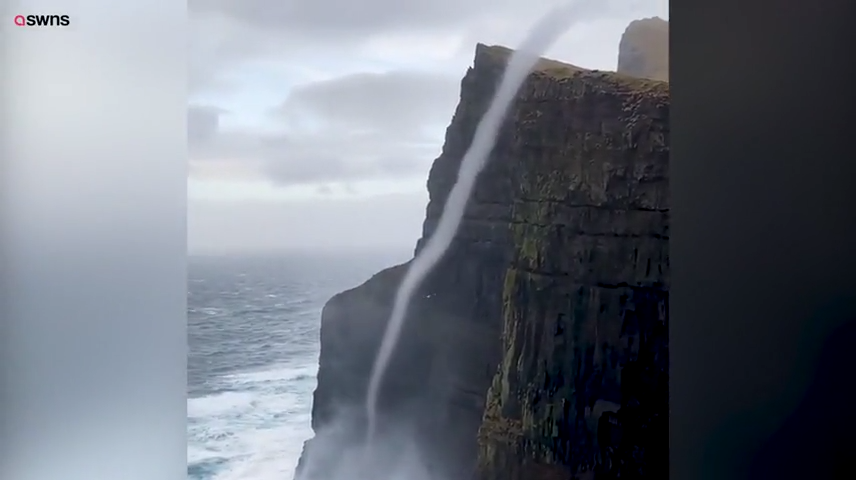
<point x="497" y="54"/>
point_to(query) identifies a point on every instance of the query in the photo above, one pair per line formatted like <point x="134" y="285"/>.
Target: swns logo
<point x="42" y="20"/>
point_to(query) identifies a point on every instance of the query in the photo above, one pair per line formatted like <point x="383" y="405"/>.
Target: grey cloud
<point x="324" y="189"/>
<point x="397" y="103"/>
<point x="218" y="44"/>
<point x="207" y="141"/>
<point x="350" y="128"/>
<point x="293" y="165"/>
<point x="365" y="125"/>
<point x="203" y="123"/>
<point x="225" y="33"/>
<point x="291" y="160"/>
<point x="347" y="18"/>
<point x="225" y="227"/>
<point x="344" y="158"/>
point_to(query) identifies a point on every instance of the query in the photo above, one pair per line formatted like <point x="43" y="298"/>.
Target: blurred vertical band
<point x="763" y="302"/>
<point x="94" y="194"/>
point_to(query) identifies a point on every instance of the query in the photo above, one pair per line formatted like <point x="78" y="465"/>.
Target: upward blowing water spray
<point x="540" y="37"/>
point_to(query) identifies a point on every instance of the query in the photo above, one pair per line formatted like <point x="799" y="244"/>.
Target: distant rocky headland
<point x="644" y="49"/>
<point x="538" y="348"/>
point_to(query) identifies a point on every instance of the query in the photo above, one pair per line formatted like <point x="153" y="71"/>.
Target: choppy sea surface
<point x="253" y="333"/>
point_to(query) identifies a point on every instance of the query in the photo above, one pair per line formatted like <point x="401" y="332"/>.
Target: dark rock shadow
<point x="818" y="440"/>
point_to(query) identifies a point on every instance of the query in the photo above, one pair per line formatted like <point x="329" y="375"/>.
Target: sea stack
<point x="644" y="49"/>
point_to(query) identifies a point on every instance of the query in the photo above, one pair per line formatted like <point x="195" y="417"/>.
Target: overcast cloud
<point x="353" y="127"/>
<point x="338" y="97"/>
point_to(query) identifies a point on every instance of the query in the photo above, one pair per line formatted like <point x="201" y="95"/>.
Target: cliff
<point x="537" y="349"/>
<point x="644" y="49"/>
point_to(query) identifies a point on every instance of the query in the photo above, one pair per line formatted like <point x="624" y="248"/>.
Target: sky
<point x="313" y="124"/>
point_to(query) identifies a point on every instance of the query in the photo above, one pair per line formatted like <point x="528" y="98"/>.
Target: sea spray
<point x="541" y="36"/>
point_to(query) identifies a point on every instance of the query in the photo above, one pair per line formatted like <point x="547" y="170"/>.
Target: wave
<point x="253" y="427"/>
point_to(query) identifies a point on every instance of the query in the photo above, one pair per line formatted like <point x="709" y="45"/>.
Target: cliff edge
<point x="537" y="349"/>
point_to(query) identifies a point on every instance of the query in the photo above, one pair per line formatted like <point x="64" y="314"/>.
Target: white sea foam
<point x="255" y="431"/>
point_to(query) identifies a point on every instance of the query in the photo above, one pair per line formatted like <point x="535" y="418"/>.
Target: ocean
<point x="253" y="336"/>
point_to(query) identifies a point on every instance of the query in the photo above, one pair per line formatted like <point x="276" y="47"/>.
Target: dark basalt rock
<point x="537" y="349"/>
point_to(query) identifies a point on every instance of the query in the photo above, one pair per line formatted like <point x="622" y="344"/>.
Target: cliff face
<point x="644" y="49"/>
<point x="537" y="348"/>
<point x="583" y="384"/>
<point x="450" y="345"/>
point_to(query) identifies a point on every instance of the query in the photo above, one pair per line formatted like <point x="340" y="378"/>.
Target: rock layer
<point x="538" y="347"/>
<point x="583" y="385"/>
